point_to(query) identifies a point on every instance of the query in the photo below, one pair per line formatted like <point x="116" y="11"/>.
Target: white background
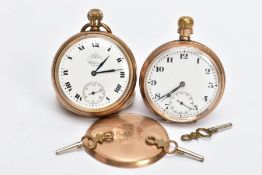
<point x="33" y="125"/>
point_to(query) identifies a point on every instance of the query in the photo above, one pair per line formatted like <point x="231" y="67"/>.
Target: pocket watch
<point x="183" y="80"/>
<point x="94" y="72"/>
<point x="128" y="140"/>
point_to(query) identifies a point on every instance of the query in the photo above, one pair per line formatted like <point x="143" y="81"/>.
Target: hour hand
<point x="181" y="84"/>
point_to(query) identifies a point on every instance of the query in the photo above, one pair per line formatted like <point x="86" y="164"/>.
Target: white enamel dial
<point x="181" y="103"/>
<point x="181" y="82"/>
<point x="94" y="72"/>
<point x="93" y="92"/>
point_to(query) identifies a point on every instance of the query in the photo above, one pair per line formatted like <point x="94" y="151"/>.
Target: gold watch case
<point x="128" y="148"/>
<point x="185" y="30"/>
<point x="95" y="16"/>
<point x="128" y="140"/>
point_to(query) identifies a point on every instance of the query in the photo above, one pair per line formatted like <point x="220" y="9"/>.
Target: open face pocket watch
<point x="182" y="81"/>
<point x="94" y="72"/>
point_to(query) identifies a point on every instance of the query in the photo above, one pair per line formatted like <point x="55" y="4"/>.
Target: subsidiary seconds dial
<point x="94" y="73"/>
<point x="181" y="82"/>
<point x="93" y="92"/>
<point x="181" y="103"/>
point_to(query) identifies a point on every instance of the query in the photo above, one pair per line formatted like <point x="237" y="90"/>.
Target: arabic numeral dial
<point x="181" y="82"/>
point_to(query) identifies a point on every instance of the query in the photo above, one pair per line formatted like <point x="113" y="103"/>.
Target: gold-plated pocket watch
<point x="94" y="72"/>
<point x="183" y="80"/>
<point x="128" y="140"/>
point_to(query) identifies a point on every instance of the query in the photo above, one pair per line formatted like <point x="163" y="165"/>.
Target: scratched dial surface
<point x="94" y="72"/>
<point x="181" y="82"/>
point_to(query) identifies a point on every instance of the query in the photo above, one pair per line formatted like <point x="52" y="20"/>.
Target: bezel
<point x="127" y="96"/>
<point x="173" y="44"/>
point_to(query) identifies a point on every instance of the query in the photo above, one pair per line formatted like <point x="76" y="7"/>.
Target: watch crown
<point x="186" y="22"/>
<point x="95" y="17"/>
<point x="185" y="27"/>
<point x="95" y="14"/>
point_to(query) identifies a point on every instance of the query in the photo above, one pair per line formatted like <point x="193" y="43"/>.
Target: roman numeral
<point x="122" y="74"/>
<point x="107" y="98"/>
<point x="109" y="49"/>
<point x="68" y="57"/>
<point x="65" y="72"/>
<point x="169" y="60"/>
<point x="118" y="87"/>
<point x="68" y="86"/>
<point x="195" y="107"/>
<point x="78" y="97"/>
<point x="95" y="44"/>
<point x="183" y="56"/>
<point x="81" y="47"/>
<point x="119" y="60"/>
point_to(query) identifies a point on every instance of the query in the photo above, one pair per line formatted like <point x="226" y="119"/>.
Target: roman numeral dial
<point x="94" y="72"/>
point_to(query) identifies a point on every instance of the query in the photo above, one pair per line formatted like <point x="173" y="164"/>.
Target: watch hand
<point x="110" y="70"/>
<point x="101" y="64"/>
<point x="182" y="103"/>
<point x="181" y="84"/>
<point x="94" y="92"/>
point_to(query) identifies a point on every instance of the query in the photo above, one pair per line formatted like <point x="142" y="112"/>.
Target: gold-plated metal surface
<point x="205" y="132"/>
<point x="165" y="145"/>
<point x="185" y="30"/>
<point x="91" y="142"/>
<point x="128" y="140"/>
<point x="95" y="16"/>
<point x="129" y="148"/>
<point x="185" y="27"/>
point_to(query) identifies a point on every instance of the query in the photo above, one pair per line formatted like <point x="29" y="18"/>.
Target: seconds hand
<point x="183" y="104"/>
<point x="181" y="84"/>
<point x="94" y="92"/>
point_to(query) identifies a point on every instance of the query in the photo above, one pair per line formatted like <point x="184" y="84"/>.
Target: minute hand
<point x="110" y="70"/>
<point x="101" y="64"/>
<point x="182" y="84"/>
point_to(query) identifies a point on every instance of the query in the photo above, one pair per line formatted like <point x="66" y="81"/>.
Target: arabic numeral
<point x="207" y="71"/>
<point x="211" y="85"/>
<point x="169" y="60"/>
<point x="157" y="95"/>
<point x="160" y="69"/>
<point x="152" y="82"/>
<point x="183" y="56"/>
